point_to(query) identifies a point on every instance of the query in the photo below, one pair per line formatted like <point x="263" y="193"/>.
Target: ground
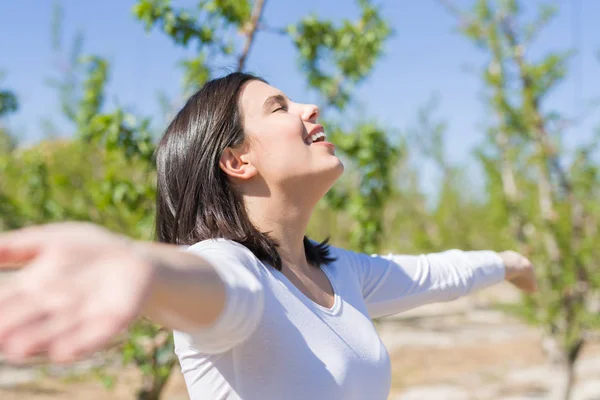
<point x="464" y="350"/>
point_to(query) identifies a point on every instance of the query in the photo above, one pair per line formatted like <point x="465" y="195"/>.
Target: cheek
<point x="272" y="148"/>
<point x="279" y="152"/>
<point x="282" y="159"/>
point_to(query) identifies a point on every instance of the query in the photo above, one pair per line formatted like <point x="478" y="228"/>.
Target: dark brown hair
<point x="195" y="200"/>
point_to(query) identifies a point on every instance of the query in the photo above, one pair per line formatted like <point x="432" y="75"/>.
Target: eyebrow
<point x="272" y="100"/>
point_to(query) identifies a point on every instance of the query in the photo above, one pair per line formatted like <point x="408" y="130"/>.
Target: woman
<point x="259" y="311"/>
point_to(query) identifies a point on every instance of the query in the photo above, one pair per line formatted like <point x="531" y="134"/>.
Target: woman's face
<point x="286" y="145"/>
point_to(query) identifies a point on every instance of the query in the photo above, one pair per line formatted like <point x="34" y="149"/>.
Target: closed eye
<point x="275" y="103"/>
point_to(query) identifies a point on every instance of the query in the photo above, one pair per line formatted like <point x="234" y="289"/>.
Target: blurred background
<point x="462" y="124"/>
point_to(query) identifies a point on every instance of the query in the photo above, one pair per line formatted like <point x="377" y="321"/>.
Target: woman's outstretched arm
<point x="395" y="283"/>
<point x="80" y="285"/>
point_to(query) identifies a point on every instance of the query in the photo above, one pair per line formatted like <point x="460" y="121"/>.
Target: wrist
<point x="149" y="267"/>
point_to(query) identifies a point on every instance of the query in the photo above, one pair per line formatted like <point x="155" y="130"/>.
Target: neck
<point x="285" y="222"/>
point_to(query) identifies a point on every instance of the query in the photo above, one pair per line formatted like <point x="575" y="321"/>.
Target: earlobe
<point x="236" y="164"/>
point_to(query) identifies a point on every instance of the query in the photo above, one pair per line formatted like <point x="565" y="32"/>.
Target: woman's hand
<point x="79" y="286"/>
<point x="519" y="271"/>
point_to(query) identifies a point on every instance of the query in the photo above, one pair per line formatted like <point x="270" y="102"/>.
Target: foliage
<point x="546" y="194"/>
<point x="8" y="102"/>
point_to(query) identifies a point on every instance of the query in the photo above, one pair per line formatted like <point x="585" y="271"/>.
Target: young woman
<point x="259" y="310"/>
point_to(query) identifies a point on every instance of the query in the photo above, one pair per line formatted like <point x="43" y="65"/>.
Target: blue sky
<point x="424" y="56"/>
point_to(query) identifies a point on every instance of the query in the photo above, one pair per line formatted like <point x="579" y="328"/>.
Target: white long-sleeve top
<point x="273" y="342"/>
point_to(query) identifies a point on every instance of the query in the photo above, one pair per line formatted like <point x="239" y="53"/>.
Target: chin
<point x="338" y="168"/>
<point x="314" y="186"/>
<point x="331" y="175"/>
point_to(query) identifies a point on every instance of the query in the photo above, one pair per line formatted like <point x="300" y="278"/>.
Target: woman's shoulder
<point x="345" y="260"/>
<point x="220" y="249"/>
<point x="217" y="244"/>
<point x="342" y="254"/>
<point x="357" y="262"/>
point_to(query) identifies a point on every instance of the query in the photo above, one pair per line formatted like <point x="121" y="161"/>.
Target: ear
<point x="235" y="163"/>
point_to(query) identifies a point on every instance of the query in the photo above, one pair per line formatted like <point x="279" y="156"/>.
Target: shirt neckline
<point x="335" y="308"/>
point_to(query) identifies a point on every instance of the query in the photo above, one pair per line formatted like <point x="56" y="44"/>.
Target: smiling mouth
<point x="315" y="138"/>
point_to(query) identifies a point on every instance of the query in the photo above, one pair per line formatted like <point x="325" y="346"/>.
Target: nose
<point x="310" y="113"/>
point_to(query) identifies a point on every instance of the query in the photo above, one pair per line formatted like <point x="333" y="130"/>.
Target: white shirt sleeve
<point x="244" y="297"/>
<point x="395" y="283"/>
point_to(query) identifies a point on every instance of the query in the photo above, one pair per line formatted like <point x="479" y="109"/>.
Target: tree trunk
<point x="562" y="376"/>
<point x="152" y="386"/>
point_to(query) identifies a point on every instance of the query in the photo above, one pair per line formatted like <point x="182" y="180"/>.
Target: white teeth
<point x="316" y="136"/>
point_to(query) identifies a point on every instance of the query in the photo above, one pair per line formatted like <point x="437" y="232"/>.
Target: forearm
<point x="452" y="274"/>
<point x="185" y="292"/>
<point x="458" y="273"/>
<point x="396" y="283"/>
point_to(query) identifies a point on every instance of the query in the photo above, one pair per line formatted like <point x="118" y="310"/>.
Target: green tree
<point x="546" y="194"/>
<point x="8" y="102"/>
<point x="9" y="217"/>
<point x="8" y="105"/>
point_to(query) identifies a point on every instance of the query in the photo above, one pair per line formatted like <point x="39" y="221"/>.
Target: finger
<point x="526" y="284"/>
<point x="9" y="293"/>
<point x="28" y="285"/>
<point x="12" y="266"/>
<point x="18" y="247"/>
<point x="531" y="281"/>
<point x="87" y="339"/>
<point x="19" y="311"/>
<point x="38" y="336"/>
<point x="534" y="285"/>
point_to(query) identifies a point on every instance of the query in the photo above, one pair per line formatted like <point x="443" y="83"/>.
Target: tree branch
<point x="540" y="131"/>
<point x="250" y="32"/>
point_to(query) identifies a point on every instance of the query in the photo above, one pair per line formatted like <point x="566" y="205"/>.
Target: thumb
<point x="19" y="247"/>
